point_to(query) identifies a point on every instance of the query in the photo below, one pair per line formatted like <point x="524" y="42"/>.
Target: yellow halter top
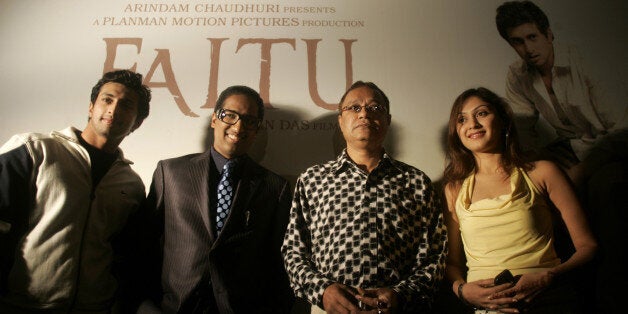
<point x="512" y="231"/>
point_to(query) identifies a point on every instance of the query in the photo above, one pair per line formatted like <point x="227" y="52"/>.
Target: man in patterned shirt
<point x="365" y="230"/>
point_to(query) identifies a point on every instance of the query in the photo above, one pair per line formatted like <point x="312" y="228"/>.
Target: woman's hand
<point x="528" y="286"/>
<point x="481" y="294"/>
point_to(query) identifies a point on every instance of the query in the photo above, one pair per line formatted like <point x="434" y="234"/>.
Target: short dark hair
<point x="241" y="90"/>
<point x="132" y="81"/>
<point x="371" y="86"/>
<point x="514" y="13"/>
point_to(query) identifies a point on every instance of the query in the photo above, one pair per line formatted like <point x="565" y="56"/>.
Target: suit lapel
<point x="250" y="180"/>
<point x="199" y="173"/>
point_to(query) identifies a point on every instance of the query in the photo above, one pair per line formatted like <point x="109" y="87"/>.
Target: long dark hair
<point x="460" y="161"/>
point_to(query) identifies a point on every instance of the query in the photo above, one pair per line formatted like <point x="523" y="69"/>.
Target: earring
<point x="506" y="139"/>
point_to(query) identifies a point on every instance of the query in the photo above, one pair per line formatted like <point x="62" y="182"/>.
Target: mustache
<point x="367" y="124"/>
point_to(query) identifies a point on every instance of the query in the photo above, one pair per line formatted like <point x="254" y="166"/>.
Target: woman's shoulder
<point x="451" y="187"/>
<point x="543" y="168"/>
<point x="451" y="191"/>
<point x="542" y="171"/>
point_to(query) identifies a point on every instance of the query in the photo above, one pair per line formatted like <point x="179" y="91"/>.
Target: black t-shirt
<point x="101" y="160"/>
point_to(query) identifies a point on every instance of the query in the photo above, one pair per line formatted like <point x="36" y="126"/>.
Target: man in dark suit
<point x="220" y="250"/>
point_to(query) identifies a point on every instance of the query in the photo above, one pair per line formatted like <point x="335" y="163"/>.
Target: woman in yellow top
<point x="500" y="213"/>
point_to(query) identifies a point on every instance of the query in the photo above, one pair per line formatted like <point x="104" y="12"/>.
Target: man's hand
<point x="382" y="300"/>
<point x="339" y="298"/>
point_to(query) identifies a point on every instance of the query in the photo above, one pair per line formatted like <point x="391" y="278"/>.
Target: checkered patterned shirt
<point x="383" y="229"/>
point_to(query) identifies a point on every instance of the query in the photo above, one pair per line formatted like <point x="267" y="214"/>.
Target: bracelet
<point x="461" y="297"/>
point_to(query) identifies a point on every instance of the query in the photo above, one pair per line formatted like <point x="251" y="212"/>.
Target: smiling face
<point x="365" y="129"/>
<point x="234" y="140"/>
<point x="478" y="127"/>
<point x="112" y="116"/>
<point x="534" y="47"/>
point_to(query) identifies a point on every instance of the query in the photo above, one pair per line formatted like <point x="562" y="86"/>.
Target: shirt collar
<point x="71" y="134"/>
<point x="561" y="58"/>
<point x="343" y="162"/>
<point x="220" y="160"/>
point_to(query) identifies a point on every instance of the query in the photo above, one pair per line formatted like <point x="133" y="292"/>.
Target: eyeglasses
<point x="375" y="108"/>
<point x="231" y="117"/>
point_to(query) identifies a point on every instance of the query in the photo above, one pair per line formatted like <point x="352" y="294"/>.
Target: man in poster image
<point x="65" y="199"/>
<point x="365" y="230"/>
<point x="550" y="80"/>
<point x="220" y="248"/>
<point x="591" y="138"/>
